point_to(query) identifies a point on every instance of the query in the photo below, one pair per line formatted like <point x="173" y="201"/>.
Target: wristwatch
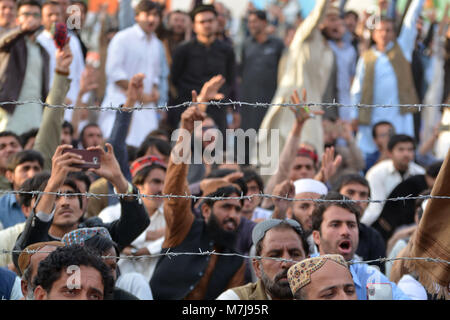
<point x="134" y="251"/>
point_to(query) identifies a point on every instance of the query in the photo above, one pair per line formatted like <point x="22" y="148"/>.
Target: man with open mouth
<point x="335" y="224"/>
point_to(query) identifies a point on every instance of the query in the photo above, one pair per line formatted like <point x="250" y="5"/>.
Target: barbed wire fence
<point x="171" y="254"/>
<point x="234" y="105"/>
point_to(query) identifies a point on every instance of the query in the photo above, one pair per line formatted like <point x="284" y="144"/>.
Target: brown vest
<point x="252" y="291"/>
<point x="406" y="91"/>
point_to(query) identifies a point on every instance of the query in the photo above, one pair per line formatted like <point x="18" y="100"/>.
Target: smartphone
<point x="92" y="158"/>
<point x="379" y="291"/>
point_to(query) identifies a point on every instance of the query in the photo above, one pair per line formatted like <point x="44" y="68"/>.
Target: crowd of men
<point x="144" y="90"/>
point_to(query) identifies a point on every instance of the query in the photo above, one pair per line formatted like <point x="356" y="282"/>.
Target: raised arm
<point x="122" y="123"/>
<point x="305" y="30"/>
<point x="177" y="211"/>
<point x="49" y="134"/>
<point x="291" y="146"/>
<point x="408" y="33"/>
<point x="133" y="218"/>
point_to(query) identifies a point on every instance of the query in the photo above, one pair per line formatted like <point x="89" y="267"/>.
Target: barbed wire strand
<point x="229" y="103"/>
<point x="215" y="198"/>
<point x="171" y="254"/>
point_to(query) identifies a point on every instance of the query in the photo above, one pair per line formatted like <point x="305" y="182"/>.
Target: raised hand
<point x="329" y="165"/>
<point x="302" y="113"/>
<point x="63" y="59"/>
<point x="135" y="90"/>
<point x="192" y="114"/>
<point x="109" y="168"/>
<point x="284" y="189"/>
<point x="210" y="90"/>
<point x="62" y="164"/>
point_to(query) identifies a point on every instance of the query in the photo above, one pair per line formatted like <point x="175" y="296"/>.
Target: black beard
<point x="222" y="238"/>
<point x="277" y="290"/>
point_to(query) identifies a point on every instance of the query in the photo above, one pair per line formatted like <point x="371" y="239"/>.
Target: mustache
<point x="230" y="220"/>
<point x="281" y="275"/>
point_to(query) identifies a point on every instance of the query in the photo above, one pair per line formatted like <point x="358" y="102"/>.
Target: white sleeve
<point x="16" y="292"/>
<point x="155" y="246"/>
<point x="228" y="295"/>
<point x="412" y="288"/>
<point x="377" y="193"/>
<point x="114" y="61"/>
<point x="408" y="33"/>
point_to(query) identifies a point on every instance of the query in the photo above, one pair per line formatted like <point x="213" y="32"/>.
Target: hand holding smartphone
<point x="91" y="158"/>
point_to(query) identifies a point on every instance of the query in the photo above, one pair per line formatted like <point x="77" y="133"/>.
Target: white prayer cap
<point x="310" y="185"/>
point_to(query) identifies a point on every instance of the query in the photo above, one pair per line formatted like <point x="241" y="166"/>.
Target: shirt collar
<point x="141" y="34"/>
<point x="12" y="200"/>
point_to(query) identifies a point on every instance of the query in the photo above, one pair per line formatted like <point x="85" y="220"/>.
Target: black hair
<point x="142" y="174"/>
<point x="24" y="156"/>
<point x="351" y="13"/>
<point x="284" y="225"/>
<point x="434" y="168"/>
<point x="226" y="191"/>
<point x="89" y="125"/>
<point x="399" y="138"/>
<point x="351" y="178"/>
<point x="49" y="2"/>
<point x="24" y="137"/>
<point x="101" y="244"/>
<point x="81" y="176"/>
<point x="147" y="6"/>
<point x="260" y="14"/>
<point x="252" y="175"/>
<point x="376" y="125"/>
<point x="322" y="206"/>
<point x="28" y="3"/>
<point x="10" y="134"/>
<point x="52" y="267"/>
<point x="163" y="146"/>
<point x="32" y="184"/>
<point x="202" y="8"/>
<point x="67" y="124"/>
<point x="68" y="182"/>
<point x="83" y="4"/>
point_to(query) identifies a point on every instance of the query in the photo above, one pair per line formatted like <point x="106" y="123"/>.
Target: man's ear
<point x="206" y="211"/>
<point x="26" y="210"/>
<point x="24" y="287"/>
<point x="316" y="237"/>
<point x="9" y="175"/>
<point x="40" y="293"/>
<point x="256" y="263"/>
<point x="289" y="213"/>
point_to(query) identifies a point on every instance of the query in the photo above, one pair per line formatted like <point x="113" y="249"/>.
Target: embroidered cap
<point x="299" y="275"/>
<point x="25" y="256"/>
<point x="79" y="236"/>
<point x="145" y="161"/>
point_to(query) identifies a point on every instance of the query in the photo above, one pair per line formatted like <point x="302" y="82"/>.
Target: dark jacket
<point x="170" y="282"/>
<point x="371" y="245"/>
<point x="132" y="222"/>
<point x="13" y="64"/>
<point x="399" y="213"/>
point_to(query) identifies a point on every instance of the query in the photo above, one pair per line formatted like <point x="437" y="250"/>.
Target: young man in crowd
<point x="335" y="231"/>
<point x="386" y="175"/>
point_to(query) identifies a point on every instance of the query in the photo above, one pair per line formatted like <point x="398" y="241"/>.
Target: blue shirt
<point x="10" y="211"/>
<point x="363" y="274"/>
<point x="385" y="91"/>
